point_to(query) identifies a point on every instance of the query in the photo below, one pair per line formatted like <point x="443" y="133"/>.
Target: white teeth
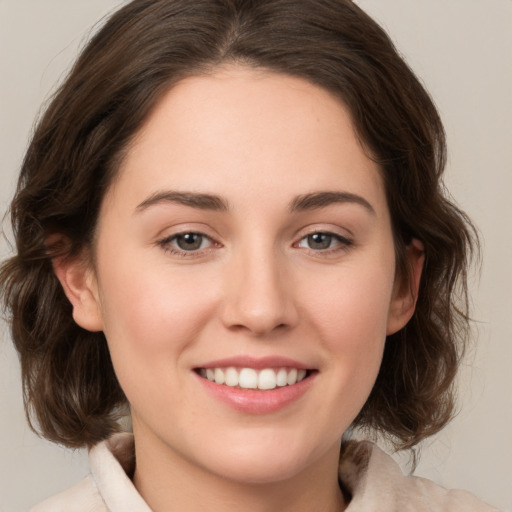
<point x="249" y="378"/>
<point x="231" y="377"/>
<point x="282" y="377"/>
<point x="267" y="379"/>
<point x="219" y="376"/>
<point x="292" y="377"/>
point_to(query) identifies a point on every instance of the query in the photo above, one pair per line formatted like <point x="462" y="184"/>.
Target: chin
<point x="256" y="471"/>
<point x="264" y="463"/>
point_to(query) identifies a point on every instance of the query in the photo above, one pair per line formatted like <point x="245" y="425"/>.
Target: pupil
<point x="319" y="241"/>
<point x="190" y="241"/>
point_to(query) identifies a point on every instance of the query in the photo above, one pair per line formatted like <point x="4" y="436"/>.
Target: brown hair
<point x="69" y="383"/>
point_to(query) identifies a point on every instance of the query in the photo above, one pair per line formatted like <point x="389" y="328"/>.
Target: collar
<point x="373" y="480"/>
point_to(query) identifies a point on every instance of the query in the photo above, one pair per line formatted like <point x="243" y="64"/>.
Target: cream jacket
<point x="374" y="480"/>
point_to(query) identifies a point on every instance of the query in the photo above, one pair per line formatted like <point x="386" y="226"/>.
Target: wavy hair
<point x="70" y="389"/>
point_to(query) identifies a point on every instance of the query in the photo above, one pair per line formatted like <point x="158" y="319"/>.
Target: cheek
<point x="352" y="304"/>
<point x="351" y="320"/>
<point x="150" y="318"/>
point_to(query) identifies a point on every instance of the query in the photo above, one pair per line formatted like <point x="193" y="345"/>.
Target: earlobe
<point x="79" y="284"/>
<point x="405" y="293"/>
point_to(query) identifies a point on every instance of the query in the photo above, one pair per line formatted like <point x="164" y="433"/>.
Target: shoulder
<point x="109" y="487"/>
<point x="376" y="482"/>
<point x="83" y="497"/>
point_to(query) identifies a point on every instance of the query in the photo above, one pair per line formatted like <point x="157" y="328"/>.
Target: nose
<point x="258" y="297"/>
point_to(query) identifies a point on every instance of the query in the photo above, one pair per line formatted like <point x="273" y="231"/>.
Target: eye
<point x="190" y="241"/>
<point x="186" y="242"/>
<point x="323" y="241"/>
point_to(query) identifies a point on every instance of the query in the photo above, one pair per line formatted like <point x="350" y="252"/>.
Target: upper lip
<point x="258" y="363"/>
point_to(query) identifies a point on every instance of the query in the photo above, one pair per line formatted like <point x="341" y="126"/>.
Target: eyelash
<point x="167" y="246"/>
<point x="342" y="244"/>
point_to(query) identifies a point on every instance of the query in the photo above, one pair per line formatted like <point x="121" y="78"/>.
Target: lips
<point x="256" y="385"/>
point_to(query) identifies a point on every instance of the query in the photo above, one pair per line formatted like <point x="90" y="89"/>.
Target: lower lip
<point x="252" y="401"/>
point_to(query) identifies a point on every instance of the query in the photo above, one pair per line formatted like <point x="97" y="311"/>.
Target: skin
<point x="257" y="286"/>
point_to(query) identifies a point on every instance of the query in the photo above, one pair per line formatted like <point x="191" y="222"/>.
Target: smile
<point x="250" y="378"/>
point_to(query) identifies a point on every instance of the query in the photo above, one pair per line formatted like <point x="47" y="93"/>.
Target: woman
<point x="226" y="218"/>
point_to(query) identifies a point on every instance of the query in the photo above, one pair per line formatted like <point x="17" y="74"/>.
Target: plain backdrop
<point x="462" y="50"/>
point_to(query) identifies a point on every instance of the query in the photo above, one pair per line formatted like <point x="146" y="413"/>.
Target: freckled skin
<point x="256" y="287"/>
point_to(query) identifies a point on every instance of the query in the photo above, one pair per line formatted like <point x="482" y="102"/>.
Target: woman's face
<point x="246" y="239"/>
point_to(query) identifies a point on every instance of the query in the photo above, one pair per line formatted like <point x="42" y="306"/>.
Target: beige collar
<point x="372" y="478"/>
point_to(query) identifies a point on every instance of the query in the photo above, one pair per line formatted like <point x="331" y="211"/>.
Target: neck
<point x="168" y="481"/>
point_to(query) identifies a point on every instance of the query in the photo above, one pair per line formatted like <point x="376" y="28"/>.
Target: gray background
<point x="462" y="49"/>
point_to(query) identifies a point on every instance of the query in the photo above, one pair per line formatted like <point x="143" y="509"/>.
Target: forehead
<point x="240" y="129"/>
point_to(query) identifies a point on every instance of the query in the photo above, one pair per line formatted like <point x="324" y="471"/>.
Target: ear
<point x="79" y="283"/>
<point x="405" y="291"/>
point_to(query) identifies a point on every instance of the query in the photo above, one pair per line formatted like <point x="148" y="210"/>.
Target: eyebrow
<point x="312" y="201"/>
<point x="192" y="199"/>
<point x="317" y="200"/>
